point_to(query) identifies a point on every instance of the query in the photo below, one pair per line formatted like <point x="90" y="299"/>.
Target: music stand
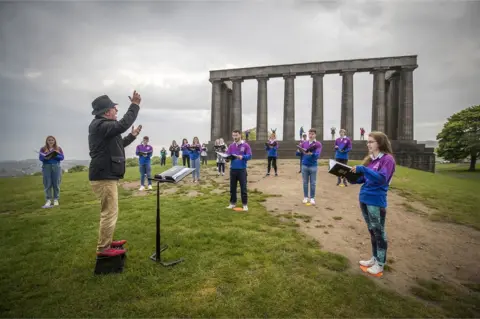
<point x="172" y="175"/>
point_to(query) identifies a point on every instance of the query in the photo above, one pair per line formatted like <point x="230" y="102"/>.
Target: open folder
<point x="342" y="170"/>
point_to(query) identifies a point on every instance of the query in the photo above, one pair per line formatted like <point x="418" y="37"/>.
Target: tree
<point x="460" y="136"/>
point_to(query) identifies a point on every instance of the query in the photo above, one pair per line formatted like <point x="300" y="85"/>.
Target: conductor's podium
<point x="109" y="265"/>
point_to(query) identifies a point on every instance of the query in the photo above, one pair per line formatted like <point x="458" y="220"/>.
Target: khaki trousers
<point x="107" y="192"/>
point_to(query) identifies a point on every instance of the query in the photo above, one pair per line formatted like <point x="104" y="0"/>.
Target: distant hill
<point x="31" y="166"/>
<point x="429" y="143"/>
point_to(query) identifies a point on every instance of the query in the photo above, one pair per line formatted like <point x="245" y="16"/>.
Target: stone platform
<point x="407" y="153"/>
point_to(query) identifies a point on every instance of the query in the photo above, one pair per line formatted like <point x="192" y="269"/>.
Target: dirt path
<point x="418" y="247"/>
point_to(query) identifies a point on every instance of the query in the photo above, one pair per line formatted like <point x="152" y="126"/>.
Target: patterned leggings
<point x="375" y="218"/>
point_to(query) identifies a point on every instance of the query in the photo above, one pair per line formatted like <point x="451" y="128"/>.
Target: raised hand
<point x="136" y="131"/>
<point x="136" y="99"/>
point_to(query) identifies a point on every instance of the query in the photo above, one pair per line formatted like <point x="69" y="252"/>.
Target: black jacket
<point x="107" y="147"/>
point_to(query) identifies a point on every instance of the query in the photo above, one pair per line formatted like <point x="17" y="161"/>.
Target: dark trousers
<point x="239" y="175"/>
<point x="163" y="159"/>
<point x="221" y="167"/>
<point x="344" y="161"/>
<point x="186" y="161"/>
<point x="272" y="162"/>
<point x="204" y="160"/>
<point x="375" y="218"/>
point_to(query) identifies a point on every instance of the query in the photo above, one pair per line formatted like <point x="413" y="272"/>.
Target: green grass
<point x="236" y="264"/>
<point x="455" y="199"/>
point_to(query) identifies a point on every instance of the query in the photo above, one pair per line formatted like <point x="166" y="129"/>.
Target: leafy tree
<point x="460" y="136"/>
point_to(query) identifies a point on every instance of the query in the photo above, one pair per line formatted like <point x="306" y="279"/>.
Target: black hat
<point x="102" y="104"/>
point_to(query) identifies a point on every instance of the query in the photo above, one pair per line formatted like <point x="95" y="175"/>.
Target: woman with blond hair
<point x="377" y="171"/>
<point x="51" y="155"/>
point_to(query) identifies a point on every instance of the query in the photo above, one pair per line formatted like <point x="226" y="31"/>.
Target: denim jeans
<point x="52" y="174"/>
<point x="196" y="165"/>
<point x="309" y="174"/>
<point x="145" y="169"/>
<point x="174" y="160"/>
<point x="375" y="218"/>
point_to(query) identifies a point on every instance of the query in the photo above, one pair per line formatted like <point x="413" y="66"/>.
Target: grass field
<point x="236" y="264"/>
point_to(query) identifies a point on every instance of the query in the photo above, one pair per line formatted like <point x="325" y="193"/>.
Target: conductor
<point x="107" y="165"/>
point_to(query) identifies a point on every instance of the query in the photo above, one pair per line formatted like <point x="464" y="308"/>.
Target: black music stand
<point x="162" y="178"/>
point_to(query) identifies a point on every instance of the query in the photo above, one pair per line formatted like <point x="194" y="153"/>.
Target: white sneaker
<point x="375" y="269"/>
<point x="149" y="186"/>
<point x="231" y="206"/>
<point x="245" y="207"/>
<point x="141" y="188"/>
<point x="305" y="200"/>
<point x="367" y="263"/>
<point x="48" y="203"/>
<point x="312" y="201"/>
<point x="55" y="202"/>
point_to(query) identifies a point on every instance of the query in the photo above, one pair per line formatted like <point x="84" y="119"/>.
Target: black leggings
<point x="221" y="167"/>
<point x="272" y="162"/>
<point x="186" y="160"/>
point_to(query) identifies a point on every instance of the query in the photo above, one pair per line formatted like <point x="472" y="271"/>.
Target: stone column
<point x="347" y="119"/>
<point x="228" y="137"/>
<point x="406" y="104"/>
<point x="237" y="103"/>
<point x="378" y="100"/>
<point x="224" y="110"/>
<point x="289" y="108"/>
<point x="317" y="104"/>
<point x="216" y="110"/>
<point x="262" y="109"/>
<point x="392" y="117"/>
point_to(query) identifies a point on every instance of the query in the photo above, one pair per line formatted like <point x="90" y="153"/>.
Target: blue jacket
<point x="376" y="180"/>
<point x="241" y="149"/>
<point x="142" y="160"/>
<point x="185" y="150"/>
<point x="54" y="160"/>
<point x="344" y="144"/>
<point x="271" y="150"/>
<point x="310" y="160"/>
<point x="195" y="153"/>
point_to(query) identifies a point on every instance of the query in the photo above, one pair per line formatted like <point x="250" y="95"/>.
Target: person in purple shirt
<point x="239" y="153"/>
<point x="185" y="152"/>
<point x="377" y="171"/>
<point x="343" y="145"/>
<point x="144" y="153"/>
<point x="271" y="146"/>
<point x="302" y="142"/>
<point x="309" y="164"/>
<point x="51" y="155"/>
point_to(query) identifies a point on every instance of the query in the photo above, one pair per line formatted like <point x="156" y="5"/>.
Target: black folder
<point x="343" y="170"/>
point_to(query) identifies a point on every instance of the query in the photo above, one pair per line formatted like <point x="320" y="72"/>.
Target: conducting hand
<point x="354" y="169"/>
<point x="136" y="99"/>
<point x="136" y="131"/>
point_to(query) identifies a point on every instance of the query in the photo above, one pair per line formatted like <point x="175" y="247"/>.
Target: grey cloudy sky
<point x="56" y="57"/>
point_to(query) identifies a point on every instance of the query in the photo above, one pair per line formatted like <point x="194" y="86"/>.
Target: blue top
<point x="54" y="160"/>
<point x="344" y="146"/>
<point x="185" y="150"/>
<point x="310" y="160"/>
<point x="376" y="180"/>
<point x="142" y="148"/>
<point x="271" y="149"/>
<point x="195" y="153"/>
<point x="243" y="149"/>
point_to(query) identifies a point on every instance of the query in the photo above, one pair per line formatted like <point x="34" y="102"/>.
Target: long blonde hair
<point x="55" y="146"/>
<point x="384" y="145"/>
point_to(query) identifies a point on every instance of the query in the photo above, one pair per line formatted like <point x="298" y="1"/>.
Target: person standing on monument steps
<point x="343" y="145"/>
<point x="377" y="170"/>
<point x="107" y="165"/>
<point x="242" y="153"/>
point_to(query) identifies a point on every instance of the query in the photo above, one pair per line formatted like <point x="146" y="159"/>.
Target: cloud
<point x="59" y="56"/>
